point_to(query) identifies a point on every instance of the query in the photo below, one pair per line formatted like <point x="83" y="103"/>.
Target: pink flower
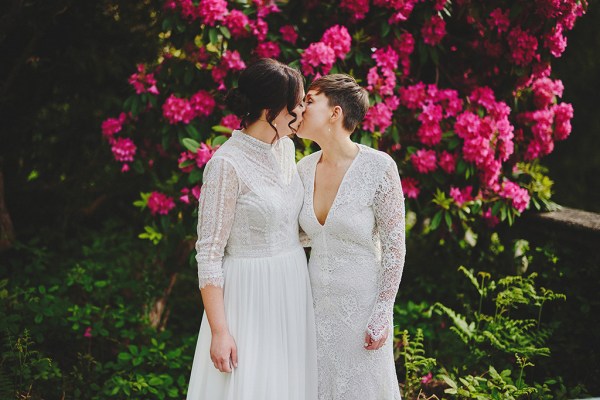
<point x="123" y="149"/>
<point x="523" y="46"/>
<point x="259" y="29"/>
<point x="410" y="187"/>
<point x="430" y="133"/>
<point x="185" y="196"/>
<point x="236" y="21"/>
<point x="111" y="126"/>
<point x="383" y="85"/>
<point x="231" y="121"/>
<point x="386" y="58"/>
<point x="489" y="219"/>
<point x="232" y="60"/>
<point x="518" y="195"/>
<point x="500" y="19"/>
<point x="545" y="91"/>
<point x="212" y="11"/>
<point x="267" y="50"/>
<point x="338" y="38"/>
<point x="202" y="103"/>
<point x="183" y="157"/>
<point x="461" y="196"/>
<point x="288" y="33"/>
<point x="563" y="113"/>
<point x="434" y="30"/>
<point x="317" y="55"/>
<point x="143" y="82"/>
<point x="203" y="155"/>
<point x="378" y="118"/>
<point x="177" y="110"/>
<point x="159" y="203"/>
<point x="424" y="161"/>
<point x="426" y="378"/>
<point x="556" y="42"/>
<point x="447" y="162"/>
<point x="412" y="97"/>
<point x="88" y="332"/>
<point x="358" y="8"/>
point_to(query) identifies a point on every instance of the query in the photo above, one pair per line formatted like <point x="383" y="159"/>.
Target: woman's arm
<point x="389" y="216"/>
<point x="216" y="213"/>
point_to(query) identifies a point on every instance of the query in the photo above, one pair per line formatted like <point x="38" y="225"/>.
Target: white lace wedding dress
<point x="355" y="267"/>
<point x="248" y="244"/>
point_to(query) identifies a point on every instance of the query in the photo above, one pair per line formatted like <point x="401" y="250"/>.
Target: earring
<point x="275" y="124"/>
<point x="329" y="129"/>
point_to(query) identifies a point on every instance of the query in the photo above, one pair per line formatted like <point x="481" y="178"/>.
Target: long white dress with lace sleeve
<point x="356" y="263"/>
<point x="248" y="244"/>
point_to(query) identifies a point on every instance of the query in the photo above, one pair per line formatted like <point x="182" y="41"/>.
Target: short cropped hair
<point x="343" y="90"/>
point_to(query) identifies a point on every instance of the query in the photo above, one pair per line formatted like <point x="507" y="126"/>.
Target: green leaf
<point x="213" y="36"/>
<point x="155" y="381"/>
<point x="219" y="140"/>
<point x="191" y="144"/>
<point x="385" y="29"/>
<point x="225" y="31"/>
<point x="448" y="220"/>
<point x="366" y="139"/>
<point x="124" y="356"/>
<point x="221" y="129"/>
<point x="193" y="132"/>
<point x="435" y="222"/>
<point x="195" y="176"/>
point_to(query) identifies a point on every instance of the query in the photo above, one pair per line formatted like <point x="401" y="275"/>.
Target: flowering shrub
<point x="462" y="95"/>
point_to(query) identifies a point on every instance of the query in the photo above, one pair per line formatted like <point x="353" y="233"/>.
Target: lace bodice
<point x="249" y="203"/>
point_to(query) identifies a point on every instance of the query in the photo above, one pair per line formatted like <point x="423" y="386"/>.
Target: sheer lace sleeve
<point x="216" y="211"/>
<point x="389" y="216"/>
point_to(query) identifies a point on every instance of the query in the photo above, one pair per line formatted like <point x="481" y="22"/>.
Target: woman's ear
<point x="336" y="114"/>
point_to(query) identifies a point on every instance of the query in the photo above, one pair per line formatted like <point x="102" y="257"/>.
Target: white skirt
<point x="269" y="311"/>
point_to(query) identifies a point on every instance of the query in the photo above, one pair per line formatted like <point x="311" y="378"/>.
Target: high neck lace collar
<point x="251" y="141"/>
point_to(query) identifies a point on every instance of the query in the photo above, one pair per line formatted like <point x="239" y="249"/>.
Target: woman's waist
<point x="264" y="250"/>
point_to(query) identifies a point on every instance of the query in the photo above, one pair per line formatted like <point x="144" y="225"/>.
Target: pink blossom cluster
<point x="143" y="82"/>
<point x="230" y="61"/>
<point x="176" y="109"/>
<point x="401" y="9"/>
<point x="267" y="50"/>
<point x="212" y="11"/>
<point x="381" y="78"/>
<point x="434" y="106"/>
<point x="289" y="34"/>
<point x="410" y="187"/>
<point x="434" y="30"/>
<point x="379" y="116"/>
<point x="320" y="56"/>
<point x="424" y="161"/>
<point x="112" y="126"/>
<point x="200" y="157"/>
<point x="523" y="46"/>
<point x="358" y="9"/>
<point x="500" y="20"/>
<point x="186" y="192"/>
<point x="123" y="150"/>
<point x="231" y="121"/>
<point x="404" y="46"/>
<point x="236" y="21"/>
<point x="461" y="196"/>
<point x="551" y="120"/>
<point x="160" y="203"/>
<point x="518" y="195"/>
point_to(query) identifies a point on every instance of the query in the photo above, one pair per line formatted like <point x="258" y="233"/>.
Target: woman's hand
<point x="371" y="344"/>
<point x="223" y="352"/>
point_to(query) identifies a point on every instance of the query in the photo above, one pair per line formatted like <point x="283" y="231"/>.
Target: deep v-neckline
<point x="314" y="179"/>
